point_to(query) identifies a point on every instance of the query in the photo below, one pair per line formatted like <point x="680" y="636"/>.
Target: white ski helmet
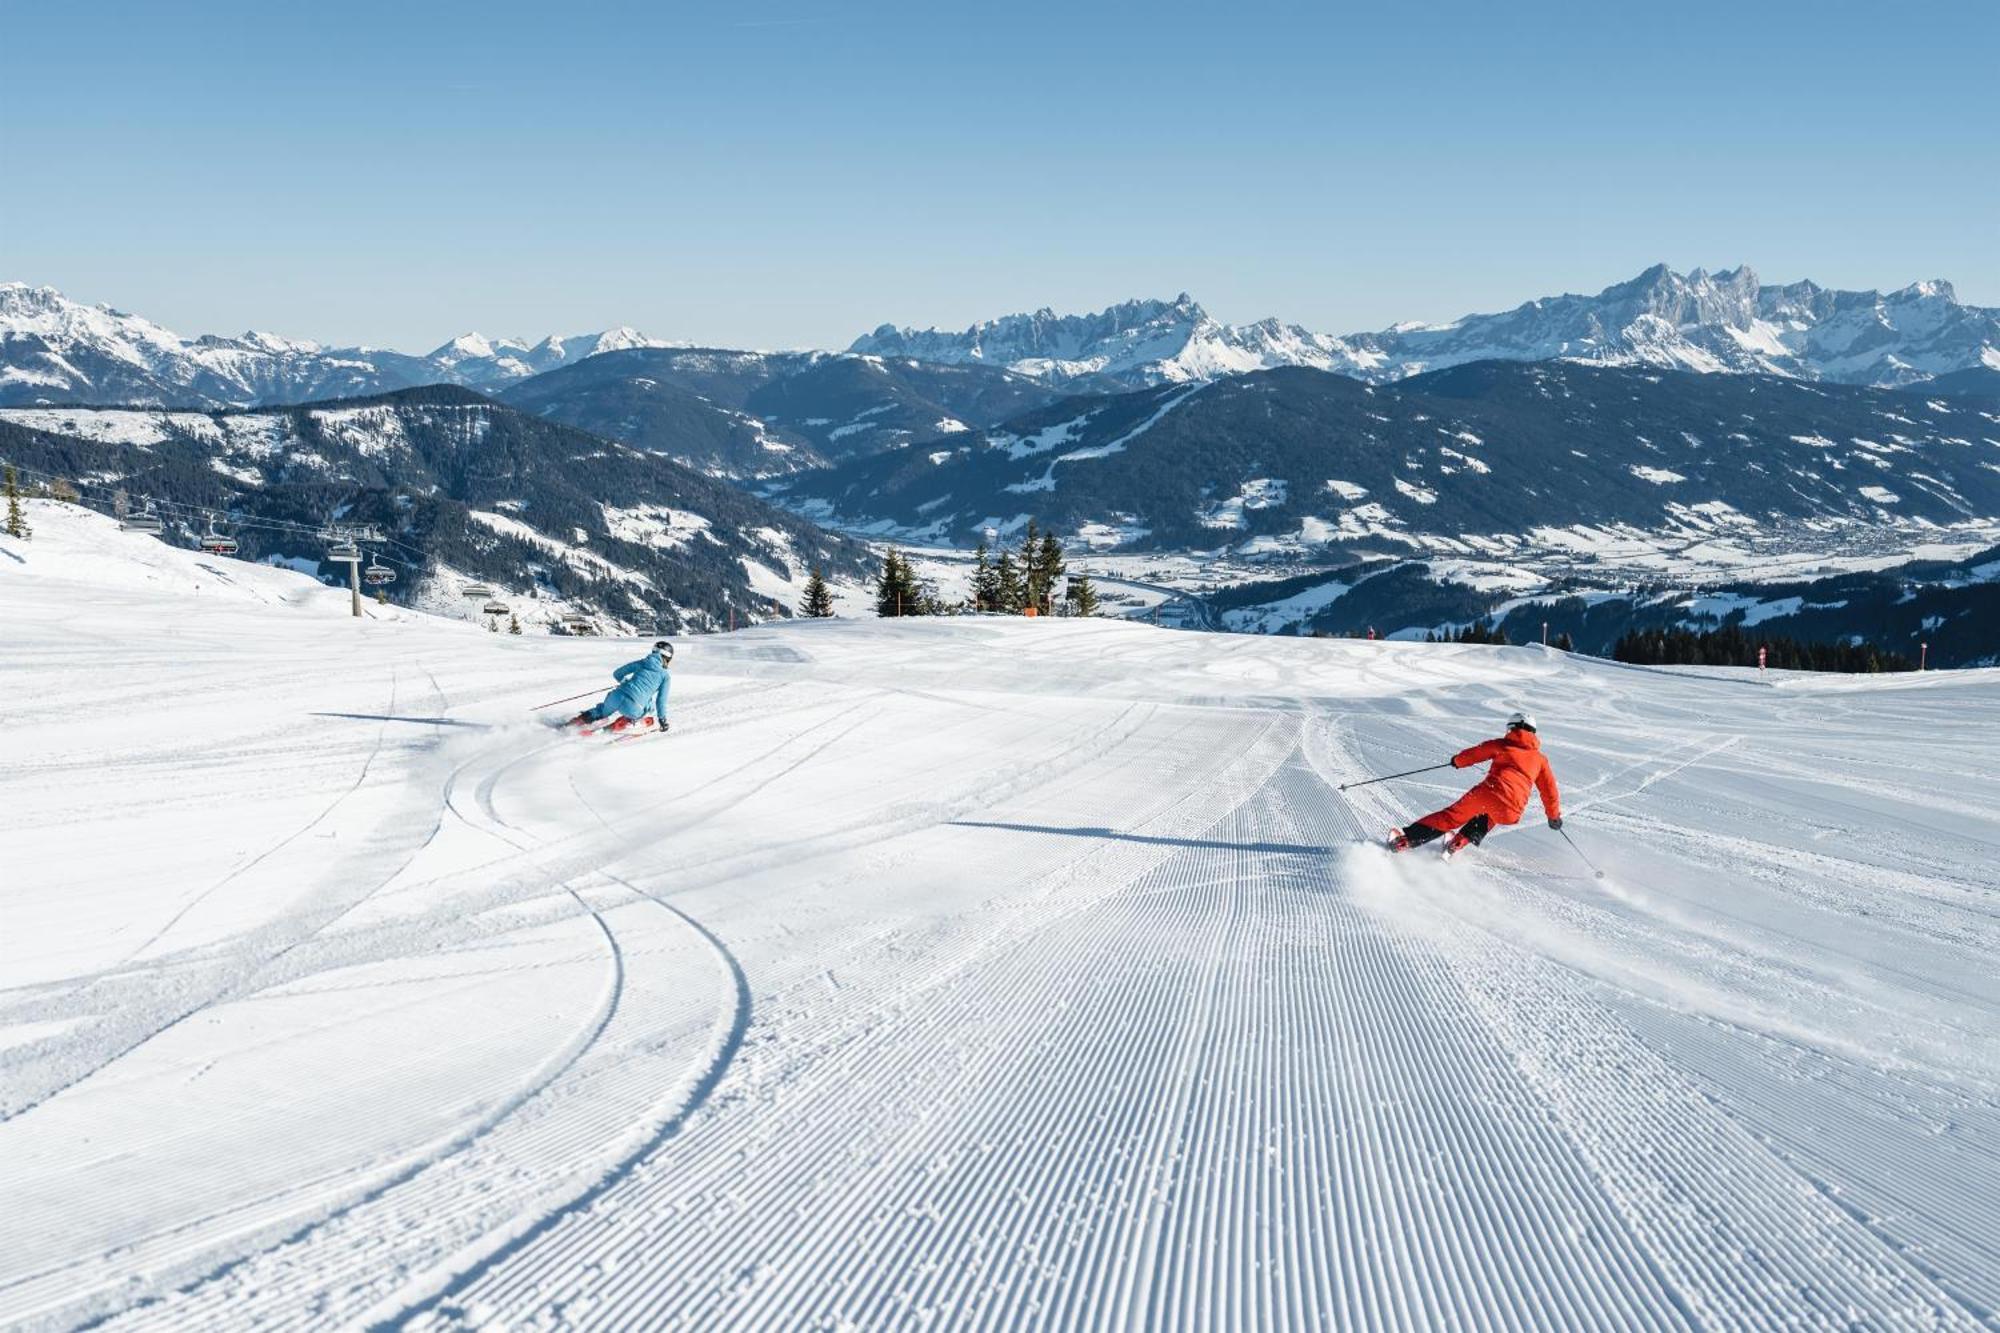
<point x="1519" y="721"/>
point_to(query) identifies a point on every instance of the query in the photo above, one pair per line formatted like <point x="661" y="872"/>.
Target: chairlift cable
<point x="187" y="509"/>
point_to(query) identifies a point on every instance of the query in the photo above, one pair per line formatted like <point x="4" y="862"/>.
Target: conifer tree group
<point x="1479" y="631"/>
<point x="1042" y="568"/>
<point x="898" y="591"/>
<point x="1009" y="581"/>
<point x="1732" y="646"/>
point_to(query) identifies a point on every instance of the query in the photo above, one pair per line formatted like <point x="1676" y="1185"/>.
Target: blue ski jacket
<point x="642" y="688"/>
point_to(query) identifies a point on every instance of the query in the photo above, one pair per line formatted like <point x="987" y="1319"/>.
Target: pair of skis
<point x="631" y="730"/>
<point x="1397" y="842"/>
<point x="615" y="734"/>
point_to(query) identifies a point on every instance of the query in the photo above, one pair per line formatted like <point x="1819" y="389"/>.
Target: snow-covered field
<point x="966" y="973"/>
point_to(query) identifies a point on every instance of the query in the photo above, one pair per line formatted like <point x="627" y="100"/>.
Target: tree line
<point x="1489" y="631"/>
<point x="1032" y="577"/>
<point x="1732" y="646"/>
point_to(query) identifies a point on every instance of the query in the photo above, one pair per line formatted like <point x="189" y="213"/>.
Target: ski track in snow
<point x="973" y="974"/>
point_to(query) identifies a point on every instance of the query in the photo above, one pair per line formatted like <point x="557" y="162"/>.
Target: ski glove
<point x="1555" y="821"/>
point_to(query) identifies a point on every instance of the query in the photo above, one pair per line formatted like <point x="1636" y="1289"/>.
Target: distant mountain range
<point x="54" y="350"/>
<point x="1459" y="460"/>
<point x="742" y="415"/>
<point x="1699" y="321"/>
<point x="555" y="519"/>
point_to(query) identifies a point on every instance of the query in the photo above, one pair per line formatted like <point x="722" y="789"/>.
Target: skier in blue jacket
<point x="641" y="692"/>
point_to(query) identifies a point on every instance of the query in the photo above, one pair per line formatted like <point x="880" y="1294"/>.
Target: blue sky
<point x="790" y="174"/>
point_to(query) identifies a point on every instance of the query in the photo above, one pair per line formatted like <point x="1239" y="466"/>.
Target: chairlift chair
<point x="216" y="543"/>
<point x="496" y="607"/>
<point x="145" y="523"/>
<point x="378" y="573"/>
<point x="343" y="551"/>
<point x="479" y="591"/>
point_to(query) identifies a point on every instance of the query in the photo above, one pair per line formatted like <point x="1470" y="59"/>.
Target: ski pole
<point x="1386" y="777"/>
<point x="572" y="699"/>
<point x="1579" y="851"/>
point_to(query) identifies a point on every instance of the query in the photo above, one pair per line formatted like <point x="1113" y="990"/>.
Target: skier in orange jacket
<point x="1518" y="766"/>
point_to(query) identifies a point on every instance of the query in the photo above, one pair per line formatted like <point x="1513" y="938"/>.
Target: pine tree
<point x="1033" y="585"/>
<point x="1083" y="596"/>
<point x="818" y="602"/>
<point x="985" y="580"/>
<point x="492" y="624"/>
<point x="17" y="522"/>
<point x="1009" y="594"/>
<point x="120" y="504"/>
<point x="1049" y="557"/>
<point x="895" y="587"/>
<point x="62" y="492"/>
<point x="1565" y="644"/>
<point x="513" y="623"/>
<point x="885" y="586"/>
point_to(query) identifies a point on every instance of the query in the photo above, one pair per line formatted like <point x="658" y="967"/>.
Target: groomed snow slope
<point x="970" y="973"/>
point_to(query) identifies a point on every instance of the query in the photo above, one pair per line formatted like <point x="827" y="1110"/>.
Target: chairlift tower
<point x="343" y="547"/>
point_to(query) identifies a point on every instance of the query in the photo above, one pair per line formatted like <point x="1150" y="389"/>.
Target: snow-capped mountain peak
<point x="623" y="338"/>
<point x="464" y="346"/>
<point x="484" y="362"/>
<point x="1141" y="341"/>
<point x="275" y="342"/>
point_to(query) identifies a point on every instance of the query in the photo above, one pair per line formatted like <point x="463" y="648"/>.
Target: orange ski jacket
<point x="1518" y="765"/>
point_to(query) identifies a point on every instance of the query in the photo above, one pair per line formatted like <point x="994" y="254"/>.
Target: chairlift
<point x="496" y="607"/>
<point x="479" y="591"/>
<point x="378" y="573"/>
<point x="342" y="551"/>
<point x="578" y="623"/>
<point x="216" y="543"/>
<point x="145" y="523"/>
